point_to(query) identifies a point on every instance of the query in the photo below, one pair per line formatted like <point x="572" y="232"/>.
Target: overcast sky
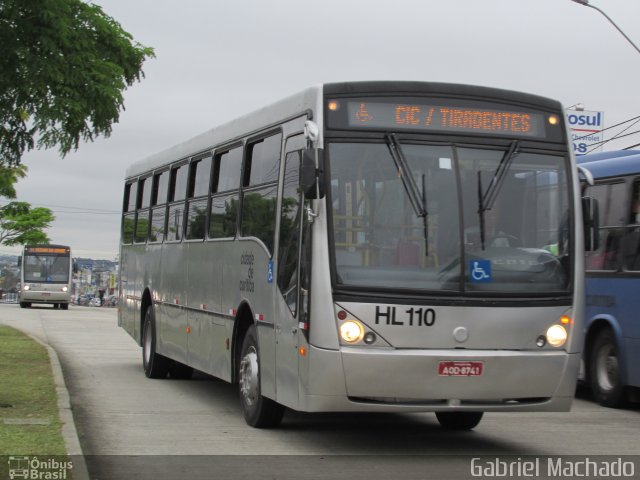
<point x="217" y="59"/>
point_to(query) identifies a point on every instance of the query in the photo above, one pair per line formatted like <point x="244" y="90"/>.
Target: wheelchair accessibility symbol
<point x="480" y="271"/>
<point x="270" y="271"/>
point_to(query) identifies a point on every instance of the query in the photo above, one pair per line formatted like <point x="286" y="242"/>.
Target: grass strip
<point x="29" y="421"/>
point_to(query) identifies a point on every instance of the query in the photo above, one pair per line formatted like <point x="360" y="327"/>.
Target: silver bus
<point x="45" y="275"/>
<point x="365" y="246"/>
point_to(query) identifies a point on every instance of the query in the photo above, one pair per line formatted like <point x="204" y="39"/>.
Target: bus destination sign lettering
<point x="51" y="250"/>
<point x="438" y="116"/>
<point x="443" y="118"/>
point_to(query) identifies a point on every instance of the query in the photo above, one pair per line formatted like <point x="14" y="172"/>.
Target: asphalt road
<point x="135" y="427"/>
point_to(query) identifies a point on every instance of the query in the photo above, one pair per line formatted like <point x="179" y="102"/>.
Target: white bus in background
<point x="45" y="276"/>
<point x="339" y="251"/>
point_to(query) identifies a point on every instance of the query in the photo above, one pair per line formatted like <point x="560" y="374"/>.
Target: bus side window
<point x="159" y="206"/>
<point x="224" y="189"/>
<point x="177" y="192"/>
<point x="129" y="207"/>
<point x="635" y="203"/>
<point x="142" y="206"/>
<point x="612" y="220"/>
<point x="130" y="196"/>
<point x="261" y="188"/>
<point x="199" y="176"/>
<point x="631" y="241"/>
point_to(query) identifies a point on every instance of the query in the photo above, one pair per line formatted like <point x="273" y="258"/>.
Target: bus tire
<point x="23" y="304"/>
<point x="459" y="420"/>
<point x="154" y="364"/>
<point x="258" y="411"/>
<point x="180" y="371"/>
<point x="64" y="306"/>
<point x="604" y="373"/>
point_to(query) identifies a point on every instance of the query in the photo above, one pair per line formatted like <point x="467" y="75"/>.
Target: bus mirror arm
<point x="312" y="173"/>
<point x="591" y="222"/>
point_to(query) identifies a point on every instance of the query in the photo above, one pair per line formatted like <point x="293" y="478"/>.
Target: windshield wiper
<point x="488" y="198"/>
<point x="418" y="201"/>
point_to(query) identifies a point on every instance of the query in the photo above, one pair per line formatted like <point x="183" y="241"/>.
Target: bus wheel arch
<point x="603" y="363"/>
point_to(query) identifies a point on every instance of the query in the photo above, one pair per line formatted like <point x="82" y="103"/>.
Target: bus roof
<point x="592" y="157"/>
<point x="311" y="100"/>
<point x="228" y="132"/>
<point x="611" y="164"/>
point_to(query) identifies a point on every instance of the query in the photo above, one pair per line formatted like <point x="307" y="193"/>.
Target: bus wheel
<point x="23" y="304"/>
<point x="258" y="411"/>
<point x="604" y="374"/>
<point x="154" y="364"/>
<point x="64" y="306"/>
<point x="459" y="420"/>
<point x="180" y="371"/>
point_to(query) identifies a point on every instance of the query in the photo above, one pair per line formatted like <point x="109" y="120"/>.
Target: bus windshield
<point x="43" y="268"/>
<point x="517" y="242"/>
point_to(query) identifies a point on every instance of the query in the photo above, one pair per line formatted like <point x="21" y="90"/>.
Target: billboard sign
<point x="586" y="130"/>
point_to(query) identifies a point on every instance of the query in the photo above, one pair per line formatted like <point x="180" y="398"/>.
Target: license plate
<point x="460" y="369"/>
<point x="46" y="294"/>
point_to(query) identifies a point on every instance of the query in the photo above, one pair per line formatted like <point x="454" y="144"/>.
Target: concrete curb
<point x="69" y="432"/>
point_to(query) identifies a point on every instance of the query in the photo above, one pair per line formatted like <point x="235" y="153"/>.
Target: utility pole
<point x="587" y="4"/>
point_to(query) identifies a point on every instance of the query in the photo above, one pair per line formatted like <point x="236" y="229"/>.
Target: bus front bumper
<point x="410" y="380"/>
<point x="44" y="296"/>
<point x="507" y="378"/>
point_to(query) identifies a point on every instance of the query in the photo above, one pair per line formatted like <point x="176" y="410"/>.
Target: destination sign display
<point x="47" y="250"/>
<point x="438" y="115"/>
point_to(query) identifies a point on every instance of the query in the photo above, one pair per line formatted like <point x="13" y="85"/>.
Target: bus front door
<point x="287" y="275"/>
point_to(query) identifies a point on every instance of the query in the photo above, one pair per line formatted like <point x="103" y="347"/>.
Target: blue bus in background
<point x="612" y="317"/>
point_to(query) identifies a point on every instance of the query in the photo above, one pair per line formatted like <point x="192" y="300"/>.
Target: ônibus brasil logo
<point x="33" y="468"/>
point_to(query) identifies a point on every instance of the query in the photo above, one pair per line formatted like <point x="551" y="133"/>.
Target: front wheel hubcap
<point x="249" y="387"/>
<point x="607" y="371"/>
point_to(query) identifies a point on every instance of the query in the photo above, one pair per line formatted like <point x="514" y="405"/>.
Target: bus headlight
<point x="556" y="335"/>
<point x="25" y="288"/>
<point x="65" y="288"/>
<point x="351" y="331"/>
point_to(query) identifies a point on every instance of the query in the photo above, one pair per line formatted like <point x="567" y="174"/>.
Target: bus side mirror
<point x="312" y="179"/>
<point x="591" y="223"/>
<point x="19" y="262"/>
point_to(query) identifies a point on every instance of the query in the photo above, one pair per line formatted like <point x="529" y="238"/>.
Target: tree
<point x="19" y="223"/>
<point x="65" y="65"/>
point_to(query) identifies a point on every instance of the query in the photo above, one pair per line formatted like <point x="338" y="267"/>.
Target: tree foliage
<point x="19" y="223"/>
<point x="65" y="65"/>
